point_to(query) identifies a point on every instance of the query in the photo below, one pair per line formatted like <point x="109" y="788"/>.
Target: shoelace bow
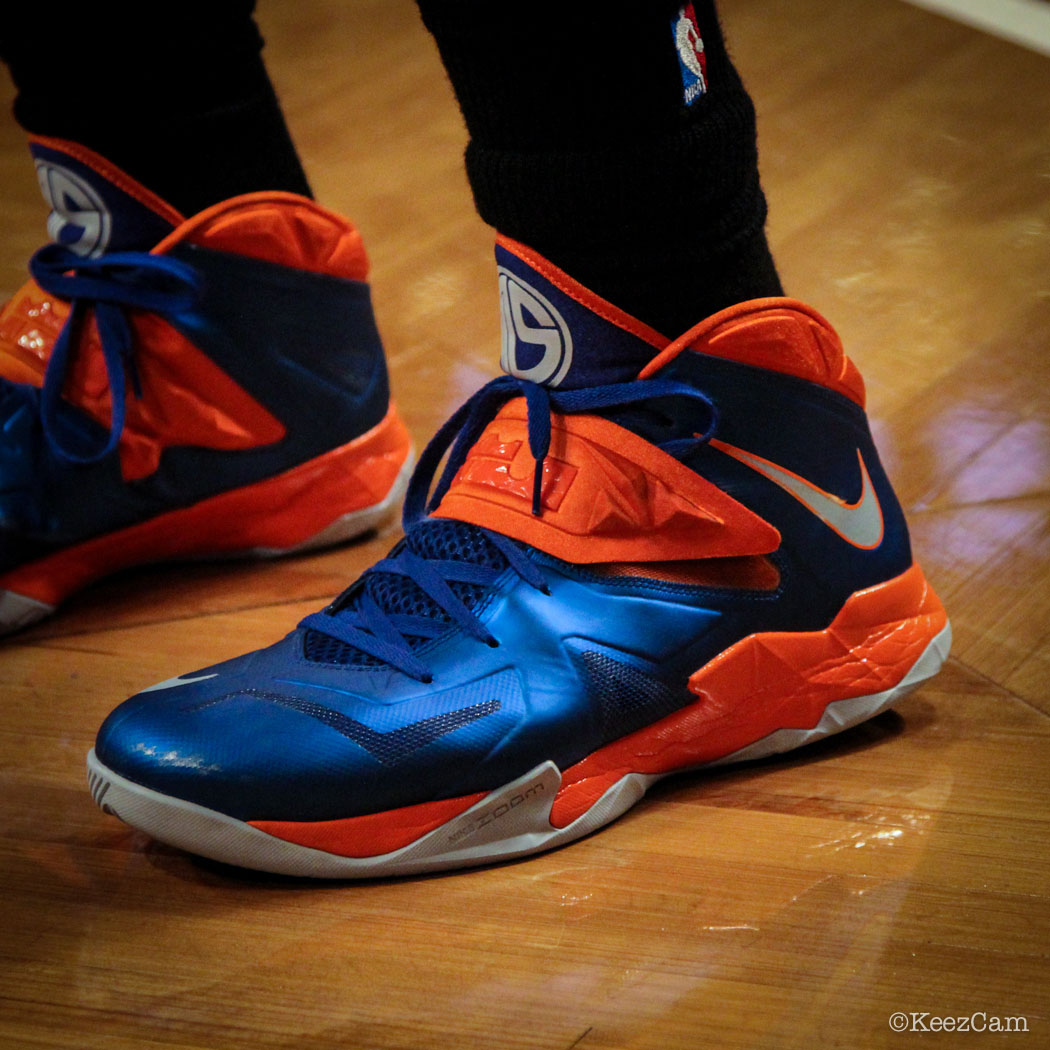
<point x="357" y="618"/>
<point x="109" y="284"/>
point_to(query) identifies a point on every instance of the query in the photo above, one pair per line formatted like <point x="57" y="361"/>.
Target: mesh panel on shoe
<point x="439" y="540"/>
<point x="627" y="697"/>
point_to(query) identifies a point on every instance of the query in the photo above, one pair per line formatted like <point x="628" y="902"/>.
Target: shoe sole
<point x="525" y="816"/>
<point x="327" y="500"/>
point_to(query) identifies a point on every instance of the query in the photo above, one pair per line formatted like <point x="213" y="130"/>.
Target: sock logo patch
<point x="692" y="61"/>
<point x="79" y="219"/>
<point x="537" y="343"/>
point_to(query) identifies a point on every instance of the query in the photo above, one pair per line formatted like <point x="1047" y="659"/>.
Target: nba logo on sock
<point x="691" y="58"/>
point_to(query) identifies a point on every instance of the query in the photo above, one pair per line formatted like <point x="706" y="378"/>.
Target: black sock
<point x="177" y="95"/>
<point x="583" y="146"/>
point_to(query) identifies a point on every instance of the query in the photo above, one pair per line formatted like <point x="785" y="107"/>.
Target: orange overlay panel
<point x="768" y="682"/>
<point x="372" y="834"/>
<point x="29" y="325"/>
<point x="280" y="512"/>
<point x="781" y="335"/>
<point x="187" y="399"/>
<point x="608" y="495"/>
<point x="281" y="228"/>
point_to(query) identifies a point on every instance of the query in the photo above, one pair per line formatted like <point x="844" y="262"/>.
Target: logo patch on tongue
<point x="537" y="343"/>
<point x="79" y="218"/>
<point x="95" y="207"/>
<point x="558" y="333"/>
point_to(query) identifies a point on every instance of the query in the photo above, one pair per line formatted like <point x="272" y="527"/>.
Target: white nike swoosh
<point x="859" y="523"/>
<point x="171" y="683"/>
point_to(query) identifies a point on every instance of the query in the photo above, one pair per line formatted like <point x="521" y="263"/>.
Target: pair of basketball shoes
<point x="640" y="556"/>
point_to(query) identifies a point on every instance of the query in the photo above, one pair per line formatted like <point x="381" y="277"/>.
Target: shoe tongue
<point x="559" y="333"/>
<point x="96" y="207"/>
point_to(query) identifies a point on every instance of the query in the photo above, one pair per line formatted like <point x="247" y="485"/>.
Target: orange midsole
<point x="765" y="682"/>
<point x="280" y="512"/>
<point x="373" y="834"/>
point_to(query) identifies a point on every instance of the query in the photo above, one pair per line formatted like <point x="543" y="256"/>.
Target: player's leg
<point x="619" y="142"/>
<point x="177" y="97"/>
<point x="163" y="374"/>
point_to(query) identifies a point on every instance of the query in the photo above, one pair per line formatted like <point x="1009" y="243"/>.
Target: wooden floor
<point x="904" y="866"/>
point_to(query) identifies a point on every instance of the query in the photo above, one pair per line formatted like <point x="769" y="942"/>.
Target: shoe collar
<point x="559" y="333"/>
<point x="95" y="207"/>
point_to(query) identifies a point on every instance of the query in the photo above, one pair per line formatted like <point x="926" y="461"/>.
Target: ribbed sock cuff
<point x="584" y="147"/>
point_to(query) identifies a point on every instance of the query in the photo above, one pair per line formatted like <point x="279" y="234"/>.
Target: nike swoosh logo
<point x="391" y="747"/>
<point x="171" y="683"/>
<point x="860" y="524"/>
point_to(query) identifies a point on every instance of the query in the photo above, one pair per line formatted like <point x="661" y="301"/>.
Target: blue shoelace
<point x="358" y="618"/>
<point x="109" y="285"/>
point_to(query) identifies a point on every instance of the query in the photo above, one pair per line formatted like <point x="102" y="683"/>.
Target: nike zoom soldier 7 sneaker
<point x="175" y="387"/>
<point x="641" y="557"/>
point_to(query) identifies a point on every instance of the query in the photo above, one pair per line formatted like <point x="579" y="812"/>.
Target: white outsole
<point x="512" y="821"/>
<point x="18" y="610"/>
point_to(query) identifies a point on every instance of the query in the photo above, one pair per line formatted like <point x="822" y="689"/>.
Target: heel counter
<point x="306" y="345"/>
<point x="895" y="549"/>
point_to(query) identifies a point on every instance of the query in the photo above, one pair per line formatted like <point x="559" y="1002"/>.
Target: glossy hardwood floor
<point x="903" y="866"/>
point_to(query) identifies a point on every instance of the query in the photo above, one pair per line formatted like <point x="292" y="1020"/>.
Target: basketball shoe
<point x="641" y="557"/>
<point x="175" y="387"/>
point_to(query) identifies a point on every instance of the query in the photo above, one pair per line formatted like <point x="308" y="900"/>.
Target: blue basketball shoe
<point x="642" y="557"/>
<point x="174" y="387"/>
